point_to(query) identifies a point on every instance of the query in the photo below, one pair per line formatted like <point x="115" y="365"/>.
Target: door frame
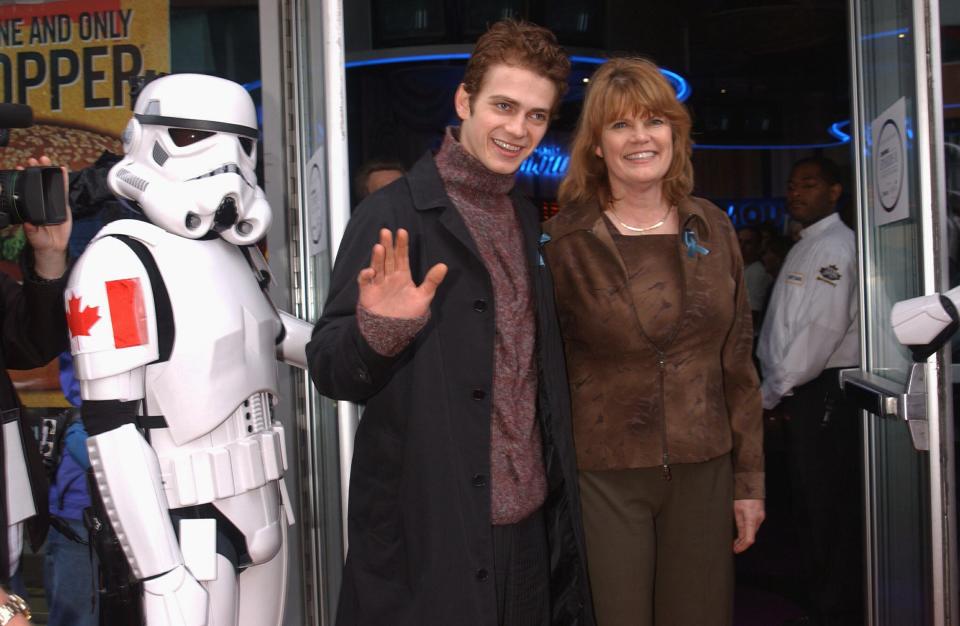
<point x="929" y="153"/>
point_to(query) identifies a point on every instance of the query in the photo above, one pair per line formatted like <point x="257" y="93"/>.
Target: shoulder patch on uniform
<point x="830" y="275"/>
<point x="127" y="312"/>
<point x="794" y="278"/>
<point x="79" y="321"/>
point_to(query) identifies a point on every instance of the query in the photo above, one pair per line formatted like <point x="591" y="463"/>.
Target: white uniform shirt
<point x="812" y="322"/>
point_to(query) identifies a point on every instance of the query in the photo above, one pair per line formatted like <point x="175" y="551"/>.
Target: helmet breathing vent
<point x="159" y="154"/>
<point x="132" y="179"/>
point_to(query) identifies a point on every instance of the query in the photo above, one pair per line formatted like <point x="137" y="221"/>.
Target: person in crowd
<point x="374" y="175"/>
<point x="755" y="275"/>
<point x="772" y="255"/>
<point x="464" y="506"/>
<point x="809" y="334"/>
<point x="34" y="331"/>
<point x="69" y="569"/>
<point x="656" y="324"/>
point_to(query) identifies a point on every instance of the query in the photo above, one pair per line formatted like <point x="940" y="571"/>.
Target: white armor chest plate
<point x="225" y="332"/>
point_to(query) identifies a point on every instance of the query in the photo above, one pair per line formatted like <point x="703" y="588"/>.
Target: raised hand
<point x="49" y="242"/>
<point x="386" y="286"/>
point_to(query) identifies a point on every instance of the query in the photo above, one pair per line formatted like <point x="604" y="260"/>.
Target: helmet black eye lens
<point x="186" y="136"/>
<point x="247" y="144"/>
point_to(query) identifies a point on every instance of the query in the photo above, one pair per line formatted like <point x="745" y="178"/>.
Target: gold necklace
<point x="638" y="229"/>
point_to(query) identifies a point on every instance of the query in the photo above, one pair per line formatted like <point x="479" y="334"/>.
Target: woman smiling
<point x="657" y="332"/>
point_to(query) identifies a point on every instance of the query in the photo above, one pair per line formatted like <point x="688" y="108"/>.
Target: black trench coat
<point x="419" y="520"/>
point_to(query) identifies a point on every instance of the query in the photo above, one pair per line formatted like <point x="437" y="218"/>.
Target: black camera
<point x="37" y="194"/>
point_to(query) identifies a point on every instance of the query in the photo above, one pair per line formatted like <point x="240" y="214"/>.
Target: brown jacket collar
<point x="587" y="216"/>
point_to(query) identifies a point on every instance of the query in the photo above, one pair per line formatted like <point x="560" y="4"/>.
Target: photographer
<point x="33" y="331"/>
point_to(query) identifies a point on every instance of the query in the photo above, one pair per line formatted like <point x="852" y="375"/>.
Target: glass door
<point x="908" y="419"/>
<point x="304" y="113"/>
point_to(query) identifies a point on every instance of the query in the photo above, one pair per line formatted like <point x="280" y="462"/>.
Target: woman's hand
<point x="386" y="286"/>
<point x="748" y="514"/>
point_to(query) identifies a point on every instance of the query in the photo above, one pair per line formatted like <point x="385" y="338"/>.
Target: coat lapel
<point x="530" y="229"/>
<point x="428" y="193"/>
<point x="451" y="219"/>
<point x="587" y="216"/>
<point x="692" y="218"/>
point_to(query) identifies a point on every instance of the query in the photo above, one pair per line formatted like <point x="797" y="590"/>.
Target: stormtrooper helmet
<point x="190" y="157"/>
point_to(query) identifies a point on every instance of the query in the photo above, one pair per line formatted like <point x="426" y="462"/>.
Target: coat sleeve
<point x="742" y="388"/>
<point x="34" y="323"/>
<point x="342" y="363"/>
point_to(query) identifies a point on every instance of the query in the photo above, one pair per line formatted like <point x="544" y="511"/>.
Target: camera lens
<point x="35" y="195"/>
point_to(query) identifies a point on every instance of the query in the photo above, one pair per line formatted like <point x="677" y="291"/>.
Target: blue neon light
<point x="554" y="165"/>
<point x="553" y="161"/>
<point x="834" y="130"/>
<point x="253" y="85"/>
<point x="588" y="60"/>
<point x="796" y="146"/>
<point x="679" y="83"/>
<point x="839" y="134"/>
<point x="886" y="33"/>
<point x="417" y="58"/>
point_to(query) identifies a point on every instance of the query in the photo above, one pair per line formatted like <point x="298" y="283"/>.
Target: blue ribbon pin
<point x="693" y="246"/>
<point x="544" y="238"/>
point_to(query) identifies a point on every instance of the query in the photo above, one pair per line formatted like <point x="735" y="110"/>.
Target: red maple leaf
<point x="80" y="322"/>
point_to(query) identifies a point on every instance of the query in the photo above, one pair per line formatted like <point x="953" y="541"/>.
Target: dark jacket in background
<point x="421" y="551"/>
<point x="707" y="402"/>
<point x="34" y="332"/>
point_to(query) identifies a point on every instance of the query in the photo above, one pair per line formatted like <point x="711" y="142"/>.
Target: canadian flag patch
<point x="127" y="312"/>
<point x="81" y="320"/>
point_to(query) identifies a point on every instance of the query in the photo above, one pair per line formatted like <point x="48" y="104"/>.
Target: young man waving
<point x="463" y="499"/>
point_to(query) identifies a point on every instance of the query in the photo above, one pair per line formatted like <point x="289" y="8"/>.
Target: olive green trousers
<point x="660" y="553"/>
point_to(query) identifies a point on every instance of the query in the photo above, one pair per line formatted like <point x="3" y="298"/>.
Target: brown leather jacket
<point x="634" y="405"/>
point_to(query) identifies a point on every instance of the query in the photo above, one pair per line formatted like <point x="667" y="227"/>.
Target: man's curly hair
<point x="518" y="44"/>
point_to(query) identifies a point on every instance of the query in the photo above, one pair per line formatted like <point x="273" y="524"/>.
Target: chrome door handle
<point x="886" y="398"/>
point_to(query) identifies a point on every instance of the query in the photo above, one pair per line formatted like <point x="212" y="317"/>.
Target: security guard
<point x="809" y="334"/>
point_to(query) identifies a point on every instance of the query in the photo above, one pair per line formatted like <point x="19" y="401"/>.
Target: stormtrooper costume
<point x="176" y="347"/>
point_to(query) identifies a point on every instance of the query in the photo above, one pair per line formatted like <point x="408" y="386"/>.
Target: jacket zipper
<point x="662" y="359"/>
<point x="661" y="356"/>
<point x="661" y="368"/>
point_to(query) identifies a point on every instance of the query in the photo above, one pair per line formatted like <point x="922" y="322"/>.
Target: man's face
<point x="381" y="178"/>
<point x="809" y="197"/>
<point x="508" y="118"/>
<point x="749" y="245"/>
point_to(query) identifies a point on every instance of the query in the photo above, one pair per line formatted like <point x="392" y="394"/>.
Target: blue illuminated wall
<point x="755" y="211"/>
<point x="546" y="160"/>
